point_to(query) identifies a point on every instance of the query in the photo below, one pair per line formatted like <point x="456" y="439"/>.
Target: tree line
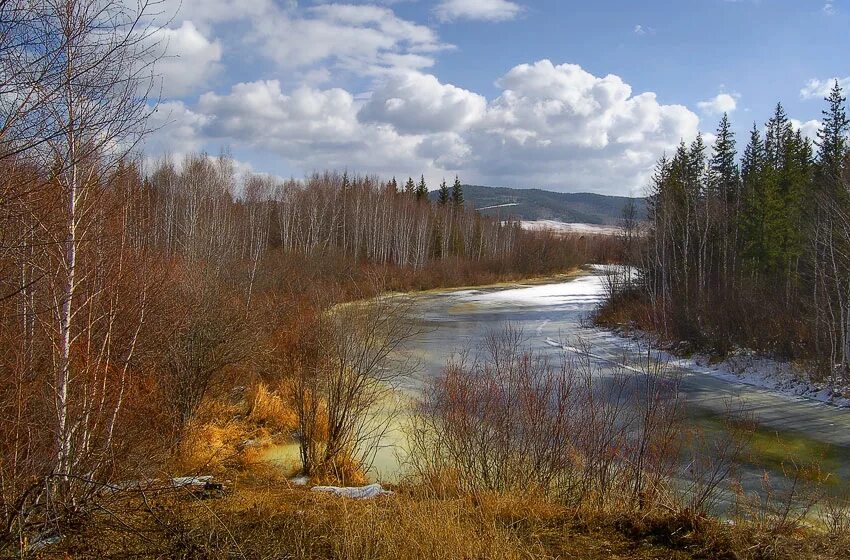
<point x="753" y="249"/>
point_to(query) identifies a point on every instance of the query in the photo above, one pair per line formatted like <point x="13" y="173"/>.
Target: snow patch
<point x="355" y="493"/>
<point x="746" y="367"/>
<point x="564" y="227"/>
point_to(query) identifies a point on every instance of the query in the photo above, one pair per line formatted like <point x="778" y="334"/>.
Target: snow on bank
<point x="507" y="205"/>
<point x="563" y="227"/>
<point x="748" y="368"/>
<point x="585" y="290"/>
<point x="355" y="493"/>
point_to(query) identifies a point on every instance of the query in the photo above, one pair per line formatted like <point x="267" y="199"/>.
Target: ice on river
<point x="586" y="290"/>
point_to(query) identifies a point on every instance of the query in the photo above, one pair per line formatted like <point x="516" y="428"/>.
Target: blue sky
<point x="569" y="96"/>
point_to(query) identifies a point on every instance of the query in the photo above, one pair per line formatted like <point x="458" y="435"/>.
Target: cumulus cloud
<point x="484" y="10"/>
<point x="176" y="130"/>
<point x="415" y="103"/>
<point x="562" y="127"/>
<point x="819" y="89"/>
<point x="188" y="59"/>
<point x="719" y="104"/>
<point x="310" y="128"/>
<point x="808" y="128"/>
<point x="358" y="38"/>
<point x="556" y="126"/>
<point x="354" y="91"/>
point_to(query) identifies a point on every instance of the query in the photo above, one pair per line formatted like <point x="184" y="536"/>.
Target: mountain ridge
<point x="540" y="204"/>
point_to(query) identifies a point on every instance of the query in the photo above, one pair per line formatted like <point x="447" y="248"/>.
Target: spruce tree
<point x="410" y="187"/>
<point x="832" y="143"/>
<point x="457" y="192"/>
<point x="777" y="133"/>
<point x="443" y="196"/>
<point x="762" y="224"/>
<point x="422" y="189"/>
<point x="725" y="176"/>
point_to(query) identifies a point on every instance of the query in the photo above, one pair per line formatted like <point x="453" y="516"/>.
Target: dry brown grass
<point x="267" y="408"/>
<point x="265" y="517"/>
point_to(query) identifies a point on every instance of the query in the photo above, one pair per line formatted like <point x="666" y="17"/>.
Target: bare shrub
<point x="834" y="514"/>
<point x="784" y="504"/>
<point x="711" y="461"/>
<point x="498" y="423"/>
<point x="343" y="387"/>
<point x="510" y="420"/>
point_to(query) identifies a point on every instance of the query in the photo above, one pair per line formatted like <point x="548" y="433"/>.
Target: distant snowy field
<point x="562" y="227"/>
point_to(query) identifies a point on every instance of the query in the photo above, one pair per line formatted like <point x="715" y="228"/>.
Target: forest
<point x="750" y="249"/>
<point x="136" y="293"/>
<point x="166" y="319"/>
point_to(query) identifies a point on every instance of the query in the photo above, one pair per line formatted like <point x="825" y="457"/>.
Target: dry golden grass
<point x="274" y="521"/>
<point x="265" y="517"/>
<point x="268" y="409"/>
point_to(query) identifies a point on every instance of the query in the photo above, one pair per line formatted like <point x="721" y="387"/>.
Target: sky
<point x="557" y="94"/>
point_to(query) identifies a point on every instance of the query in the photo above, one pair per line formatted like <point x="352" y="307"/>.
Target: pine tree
<point x="422" y="189"/>
<point x="410" y="187"/>
<point x="443" y="197"/>
<point x="457" y="192"/>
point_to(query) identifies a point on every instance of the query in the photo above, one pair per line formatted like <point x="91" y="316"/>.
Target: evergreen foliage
<point x="443" y="195"/>
<point x="457" y="192"/>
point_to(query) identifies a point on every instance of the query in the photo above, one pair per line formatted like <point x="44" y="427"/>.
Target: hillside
<point x="538" y="204"/>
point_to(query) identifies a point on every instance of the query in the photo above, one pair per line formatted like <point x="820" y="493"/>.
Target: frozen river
<point x="788" y="426"/>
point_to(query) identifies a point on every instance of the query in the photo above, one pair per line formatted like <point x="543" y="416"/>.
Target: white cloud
<point x="829" y="8"/>
<point x="562" y="127"/>
<point x="176" y="130"/>
<point x="188" y="59"/>
<point x="552" y="126"/>
<point x="413" y="103"/>
<point x="819" y="89"/>
<point x="353" y="91"/>
<point x="809" y="128"/>
<point x="720" y="103"/>
<point x="358" y="38"/>
<point x="484" y="10"/>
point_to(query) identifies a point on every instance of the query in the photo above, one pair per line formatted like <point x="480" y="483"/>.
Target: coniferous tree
<point x="457" y="192"/>
<point x="410" y="187"/>
<point x="724" y="197"/>
<point x="422" y="189"/>
<point x="776" y="135"/>
<point x="725" y="176"/>
<point x="753" y="174"/>
<point x="832" y="143"/>
<point x="443" y="196"/>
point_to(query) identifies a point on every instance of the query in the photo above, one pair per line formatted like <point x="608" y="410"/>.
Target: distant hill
<point x="537" y="204"/>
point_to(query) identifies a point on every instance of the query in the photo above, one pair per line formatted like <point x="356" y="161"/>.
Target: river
<point x="453" y="320"/>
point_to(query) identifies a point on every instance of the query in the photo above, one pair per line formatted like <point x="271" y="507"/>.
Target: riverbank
<point x="266" y="514"/>
<point x="263" y="516"/>
<point x="739" y="365"/>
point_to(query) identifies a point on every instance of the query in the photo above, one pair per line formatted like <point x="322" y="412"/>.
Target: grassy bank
<point x="263" y="516"/>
